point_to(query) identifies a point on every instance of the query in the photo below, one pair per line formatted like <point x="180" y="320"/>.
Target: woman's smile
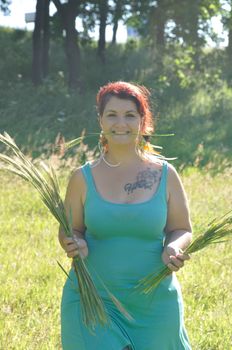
<point x="120" y="132"/>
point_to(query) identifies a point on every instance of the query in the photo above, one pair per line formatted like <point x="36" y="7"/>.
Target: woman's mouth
<point x="120" y="132"/>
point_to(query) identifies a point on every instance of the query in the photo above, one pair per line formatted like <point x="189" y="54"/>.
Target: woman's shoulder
<point x="76" y="178"/>
<point x="79" y="170"/>
<point x="162" y="162"/>
<point x="76" y="188"/>
<point x="172" y="174"/>
<point x="172" y="171"/>
<point x="159" y="163"/>
<point x="174" y="181"/>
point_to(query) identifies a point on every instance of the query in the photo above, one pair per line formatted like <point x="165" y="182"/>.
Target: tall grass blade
<point x="46" y="183"/>
<point x="218" y="229"/>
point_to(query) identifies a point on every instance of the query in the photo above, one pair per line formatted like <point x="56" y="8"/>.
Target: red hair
<point x="137" y="93"/>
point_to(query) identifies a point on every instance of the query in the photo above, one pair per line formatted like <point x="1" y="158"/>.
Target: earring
<point x="143" y="146"/>
<point x="103" y="147"/>
<point x="140" y="145"/>
<point x="103" y="143"/>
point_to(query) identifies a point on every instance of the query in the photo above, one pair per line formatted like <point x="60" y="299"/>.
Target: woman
<point x="130" y="218"/>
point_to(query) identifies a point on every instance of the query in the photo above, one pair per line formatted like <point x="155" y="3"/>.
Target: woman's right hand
<point x="75" y="246"/>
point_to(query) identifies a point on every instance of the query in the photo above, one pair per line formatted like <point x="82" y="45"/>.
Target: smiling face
<point x="120" y="121"/>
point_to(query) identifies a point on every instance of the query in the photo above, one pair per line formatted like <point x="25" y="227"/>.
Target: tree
<point x="229" y="47"/>
<point x="41" y="42"/>
<point x="227" y="23"/>
<point x="118" y="11"/>
<point x="99" y="10"/>
<point x="150" y="19"/>
<point x="68" y="12"/>
<point x="158" y="17"/>
<point x="103" y="14"/>
<point x="192" y="20"/>
<point x="184" y="21"/>
<point x="4" y="6"/>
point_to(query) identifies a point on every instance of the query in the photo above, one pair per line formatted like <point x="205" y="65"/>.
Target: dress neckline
<point x="154" y="195"/>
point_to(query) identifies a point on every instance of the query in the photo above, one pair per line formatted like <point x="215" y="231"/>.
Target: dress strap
<point x="88" y="177"/>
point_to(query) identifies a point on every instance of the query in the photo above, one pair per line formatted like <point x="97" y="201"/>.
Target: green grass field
<point x="31" y="281"/>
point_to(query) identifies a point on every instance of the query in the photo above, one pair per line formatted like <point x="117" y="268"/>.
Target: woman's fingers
<point x="75" y="246"/>
<point x="73" y="253"/>
<point x="81" y="243"/>
<point x="172" y="267"/>
<point x="182" y="256"/>
<point x="82" y="246"/>
<point x="67" y="240"/>
<point x="175" y="263"/>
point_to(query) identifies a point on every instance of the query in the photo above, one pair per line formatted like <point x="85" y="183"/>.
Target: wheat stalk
<point x="93" y="308"/>
<point x="218" y="231"/>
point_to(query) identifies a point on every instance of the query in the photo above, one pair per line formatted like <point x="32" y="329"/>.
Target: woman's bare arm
<point x="178" y="227"/>
<point x="74" y="201"/>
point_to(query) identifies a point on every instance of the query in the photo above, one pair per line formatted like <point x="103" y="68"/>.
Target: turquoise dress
<point x="125" y="243"/>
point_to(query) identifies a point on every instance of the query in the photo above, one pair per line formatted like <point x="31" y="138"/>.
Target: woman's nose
<point x="121" y="120"/>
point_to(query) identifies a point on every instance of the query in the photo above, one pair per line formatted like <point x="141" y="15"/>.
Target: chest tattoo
<point x="145" y="179"/>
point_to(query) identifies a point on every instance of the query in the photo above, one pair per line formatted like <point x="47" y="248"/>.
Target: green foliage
<point x="16" y="54"/>
<point x="181" y="20"/>
<point x="4" y="6"/>
<point x="193" y="101"/>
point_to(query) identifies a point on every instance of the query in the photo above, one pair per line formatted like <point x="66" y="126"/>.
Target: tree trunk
<point x="37" y="43"/>
<point x="229" y="47"/>
<point x="160" y="40"/>
<point x="160" y="24"/>
<point x="157" y="21"/>
<point x="40" y="42"/>
<point x="117" y="15"/>
<point x="72" y="48"/>
<point x="229" y="50"/>
<point x="192" y="37"/>
<point x="46" y="39"/>
<point x="115" y="28"/>
<point x="68" y="13"/>
<point x="103" y="9"/>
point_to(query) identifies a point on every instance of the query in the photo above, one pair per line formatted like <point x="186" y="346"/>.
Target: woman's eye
<point x="111" y="115"/>
<point x="130" y="115"/>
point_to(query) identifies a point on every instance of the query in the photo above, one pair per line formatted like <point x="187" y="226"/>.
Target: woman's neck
<point x="124" y="155"/>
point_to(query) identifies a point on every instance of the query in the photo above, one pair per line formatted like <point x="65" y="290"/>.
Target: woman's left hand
<point x="174" y="257"/>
